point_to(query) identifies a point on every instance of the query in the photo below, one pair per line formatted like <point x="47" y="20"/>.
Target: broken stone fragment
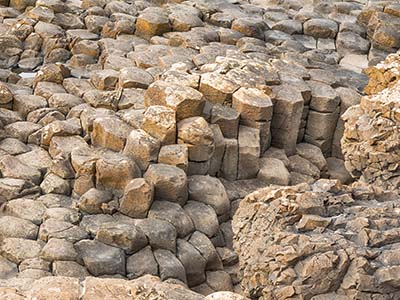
<point x="110" y="133"/>
<point x="160" y="122"/>
<point x="137" y="198"/>
<point x="197" y="134"/>
<point x="142" y="147"/>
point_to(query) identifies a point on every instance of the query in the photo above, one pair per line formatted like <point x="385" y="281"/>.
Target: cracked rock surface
<point x="318" y="241"/>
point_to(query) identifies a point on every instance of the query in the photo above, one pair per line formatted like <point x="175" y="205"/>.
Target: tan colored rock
<point x="142" y="147"/>
<point x="55" y="288"/>
<point x="25" y="104"/>
<point x="151" y="24"/>
<point x="196" y="133"/>
<point x="137" y="198"/>
<point x="288" y="108"/>
<point x="105" y="80"/>
<point x="252" y="104"/>
<point x="313" y="227"/>
<point x="249" y="152"/>
<point x="159" y="121"/>
<point x="185" y="101"/>
<point x="227" y="119"/>
<point x="175" y="155"/>
<point x="217" y="89"/>
<point x="11" y="166"/>
<point x="5" y="94"/>
<point x="110" y="133"/>
<point x="116" y="172"/>
<point x="134" y="78"/>
<point x="383" y="75"/>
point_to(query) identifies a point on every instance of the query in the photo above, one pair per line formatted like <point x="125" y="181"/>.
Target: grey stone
<point x="101" y="259"/>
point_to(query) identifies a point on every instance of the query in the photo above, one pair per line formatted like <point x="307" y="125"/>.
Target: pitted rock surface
<point x="371" y="137"/>
<point x="318" y="241"/>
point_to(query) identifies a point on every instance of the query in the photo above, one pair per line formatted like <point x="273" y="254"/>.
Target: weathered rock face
<point x="291" y="239"/>
<point x="384" y="75"/>
<point x="146" y="287"/>
<point x="371" y="139"/>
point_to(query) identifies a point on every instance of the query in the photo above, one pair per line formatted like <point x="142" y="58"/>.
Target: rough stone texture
<point x="370" y="139"/>
<point x="384" y="75"/>
<point x="145" y="287"/>
<point x="308" y="232"/>
<point x="137" y="198"/>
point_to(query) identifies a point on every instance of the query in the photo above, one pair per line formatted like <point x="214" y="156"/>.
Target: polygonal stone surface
<point x="101" y="259"/>
<point x="185" y="101"/>
<point x="170" y="183"/>
<point x="159" y="121"/>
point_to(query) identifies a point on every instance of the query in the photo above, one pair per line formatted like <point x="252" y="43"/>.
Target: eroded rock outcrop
<point x="144" y="288"/>
<point x="372" y="138"/>
<point x="319" y="241"/>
